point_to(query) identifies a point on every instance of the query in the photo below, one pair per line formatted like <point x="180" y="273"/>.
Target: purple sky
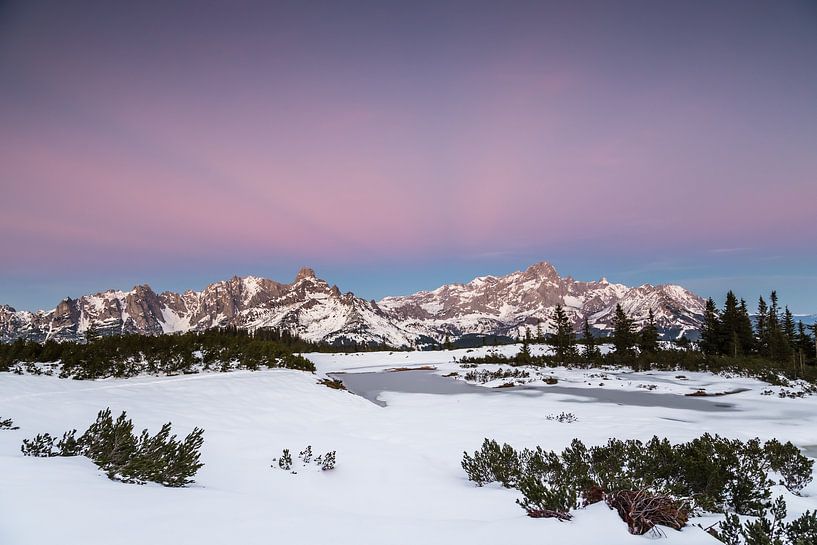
<point x="394" y="146"/>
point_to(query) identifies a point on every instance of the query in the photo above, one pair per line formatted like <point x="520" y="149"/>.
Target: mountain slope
<point x="316" y="311"/>
<point x="506" y="305"/>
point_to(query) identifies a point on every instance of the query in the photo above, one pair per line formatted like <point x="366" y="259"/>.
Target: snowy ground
<point x="398" y="478"/>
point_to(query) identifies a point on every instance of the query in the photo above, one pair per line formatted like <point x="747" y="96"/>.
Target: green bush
<point x="41" y="446"/>
<point x="113" y="447"/>
<point x="709" y="473"/>
<point x="493" y="463"/>
<point x="7" y="424"/>
<point x="769" y="529"/>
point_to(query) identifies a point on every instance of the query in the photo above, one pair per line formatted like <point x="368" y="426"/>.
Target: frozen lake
<point x="371" y="385"/>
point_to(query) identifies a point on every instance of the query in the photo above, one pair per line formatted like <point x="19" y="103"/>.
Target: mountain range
<point x="502" y="306"/>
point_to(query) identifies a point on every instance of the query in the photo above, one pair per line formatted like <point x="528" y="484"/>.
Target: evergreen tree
<point x="730" y="320"/>
<point x="91" y="334"/>
<point x="762" y="328"/>
<point x="789" y="329"/>
<point x="746" y="336"/>
<point x="591" y="351"/>
<point x="779" y="348"/>
<point x="648" y="338"/>
<point x="524" y="355"/>
<point x="803" y="344"/>
<point x="563" y="339"/>
<point x="710" y="330"/>
<point x="624" y="338"/>
<point x="540" y="337"/>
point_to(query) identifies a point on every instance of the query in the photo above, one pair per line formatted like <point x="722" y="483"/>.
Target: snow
<point x="172" y="322"/>
<point x="398" y="478"/>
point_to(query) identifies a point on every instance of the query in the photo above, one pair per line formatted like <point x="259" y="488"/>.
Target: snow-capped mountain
<point x="308" y="307"/>
<point x="506" y="305"/>
<point x="316" y="311"/>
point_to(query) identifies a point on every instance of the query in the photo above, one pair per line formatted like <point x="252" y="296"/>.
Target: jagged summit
<point x="305" y="273"/>
<point x="318" y="311"/>
<point x="542" y="269"/>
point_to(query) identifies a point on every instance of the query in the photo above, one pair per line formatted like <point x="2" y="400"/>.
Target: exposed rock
<point x="312" y="309"/>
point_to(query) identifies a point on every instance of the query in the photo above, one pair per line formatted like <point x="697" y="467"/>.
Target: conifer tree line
<point x="130" y="355"/>
<point x="773" y="335"/>
<point x="730" y="339"/>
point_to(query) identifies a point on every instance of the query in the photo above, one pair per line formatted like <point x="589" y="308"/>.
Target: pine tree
<point x="779" y="348"/>
<point x="730" y="319"/>
<point x="563" y="339"/>
<point x="746" y="336"/>
<point x="591" y="351"/>
<point x="789" y="329"/>
<point x="524" y="355"/>
<point x="623" y="336"/>
<point x="762" y="328"/>
<point x="710" y="330"/>
<point x="803" y="344"/>
<point x="648" y="338"/>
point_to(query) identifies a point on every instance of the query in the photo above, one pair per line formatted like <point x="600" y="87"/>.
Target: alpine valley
<point x="501" y="306"/>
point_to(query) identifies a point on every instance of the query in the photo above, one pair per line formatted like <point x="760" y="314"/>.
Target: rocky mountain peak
<point x="318" y="311"/>
<point x="305" y="273"/>
<point x="543" y="269"/>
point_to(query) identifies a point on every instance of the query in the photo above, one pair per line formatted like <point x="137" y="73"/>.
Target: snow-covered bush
<point x="113" y="447"/>
<point x="7" y="424"/>
<point x="306" y="458"/>
<point x="328" y="461"/>
<point x="493" y="463"/>
<point x="707" y="474"/>
<point x="41" y="446"/>
<point x="769" y="529"/>
<point x="547" y="499"/>
<point x="484" y="375"/>
<point x="285" y="461"/>
<point x="787" y="460"/>
<point x="565" y="418"/>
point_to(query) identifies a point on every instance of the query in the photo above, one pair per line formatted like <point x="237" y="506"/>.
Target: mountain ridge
<point x="311" y="308"/>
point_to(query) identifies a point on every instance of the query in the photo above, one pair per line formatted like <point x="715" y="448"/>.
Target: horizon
<point x="751" y="303"/>
<point x="398" y="147"/>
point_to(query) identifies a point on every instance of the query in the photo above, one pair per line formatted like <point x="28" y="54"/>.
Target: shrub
<point x="325" y="462"/>
<point x="803" y="530"/>
<point x="8" y="424"/>
<point x="111" y="445"/>
<point x="656" y="479"/>
<point x="565" y="418"/>
<point x="642" y="510"/>
<point x="492" y="463"/>
<point x="769" y="529"/>
<point x="547" y="499"/>
<point x="285" y="461"/>
<point x="787" y="460"/>
<point x="328" y="462"/>
<point x="42" y="446"/>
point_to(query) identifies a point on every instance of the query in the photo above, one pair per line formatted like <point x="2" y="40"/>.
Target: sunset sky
<point x="395" y="146"/>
